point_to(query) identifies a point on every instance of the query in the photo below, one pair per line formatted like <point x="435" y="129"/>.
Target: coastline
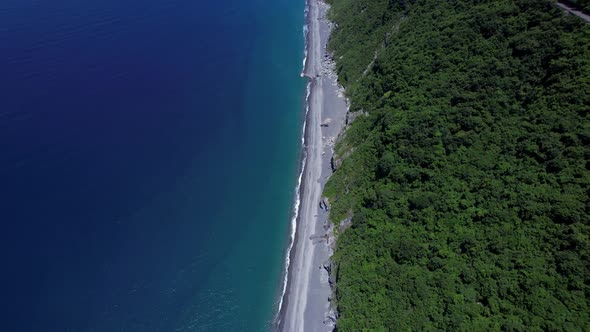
<point x="305" y="300"/>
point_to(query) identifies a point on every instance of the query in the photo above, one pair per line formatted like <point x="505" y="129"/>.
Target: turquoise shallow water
<point x="148" y="162"/>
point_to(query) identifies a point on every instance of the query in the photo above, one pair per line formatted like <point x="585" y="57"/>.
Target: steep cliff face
<point x="465" y="183"/>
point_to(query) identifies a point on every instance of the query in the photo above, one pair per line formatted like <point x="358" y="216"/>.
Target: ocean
<point x="148" y="162"/>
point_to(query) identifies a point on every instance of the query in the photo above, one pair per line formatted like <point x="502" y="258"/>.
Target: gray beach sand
<point x="306" y="303"/>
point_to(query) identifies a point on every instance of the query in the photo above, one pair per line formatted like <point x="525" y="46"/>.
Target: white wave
<point x="297" y="201"/>
<point x="305" y="37"/>
<point x="295" y="207"/>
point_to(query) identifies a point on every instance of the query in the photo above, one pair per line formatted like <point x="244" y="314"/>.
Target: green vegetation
<point x="468" y="179"/>
<point x="584" y="5"/>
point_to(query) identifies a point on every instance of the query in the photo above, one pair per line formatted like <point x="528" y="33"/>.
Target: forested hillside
<point x="466" y="171"/>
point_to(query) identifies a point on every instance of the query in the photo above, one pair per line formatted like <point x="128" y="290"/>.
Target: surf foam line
<point x="295" y="213"/>
<point x="305" y="38"/>
<point x="297" y="202"/>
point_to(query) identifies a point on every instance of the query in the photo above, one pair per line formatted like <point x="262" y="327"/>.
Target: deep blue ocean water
<point x="148" y="157"/>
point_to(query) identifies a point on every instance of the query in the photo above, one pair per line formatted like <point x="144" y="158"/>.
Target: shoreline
<point x="305" y="301"/>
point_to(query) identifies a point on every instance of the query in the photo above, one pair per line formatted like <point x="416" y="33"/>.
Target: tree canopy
<point x="468" y="178"/>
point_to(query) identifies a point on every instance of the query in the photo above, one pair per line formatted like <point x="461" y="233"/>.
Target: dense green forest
<point x="466" y="174"/>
